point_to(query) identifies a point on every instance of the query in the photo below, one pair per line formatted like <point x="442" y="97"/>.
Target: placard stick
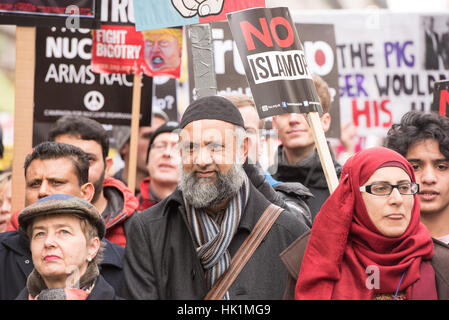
<point x="323" y="150"/>
<point x="23" y="110"/>
<point x="135" y="119"/>
<point x="203" y="60"/>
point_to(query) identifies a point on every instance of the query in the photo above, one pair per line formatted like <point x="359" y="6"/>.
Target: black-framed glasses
<point x="385" y="189"/>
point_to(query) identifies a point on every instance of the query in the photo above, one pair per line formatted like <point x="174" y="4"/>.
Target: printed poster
<point x="274" y="61"/>
<point x="121" y="49"/>
<point x="156" y="14"/>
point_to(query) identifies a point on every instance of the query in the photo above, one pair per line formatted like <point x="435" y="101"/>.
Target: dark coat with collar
<point x="16" y="264"/>
<point x="293" y="255"/>
<point x="309" y="172"/>
<point x="102" y="291"/>
<point x="161" y="260"/>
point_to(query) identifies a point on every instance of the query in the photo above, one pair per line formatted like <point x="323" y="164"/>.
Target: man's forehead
<point x="51" y="168"/>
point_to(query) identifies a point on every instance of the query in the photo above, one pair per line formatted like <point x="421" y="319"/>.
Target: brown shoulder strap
<point x="244" y="253"/>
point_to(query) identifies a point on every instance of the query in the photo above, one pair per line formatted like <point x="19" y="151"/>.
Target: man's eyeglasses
<point x="385" y="189"/>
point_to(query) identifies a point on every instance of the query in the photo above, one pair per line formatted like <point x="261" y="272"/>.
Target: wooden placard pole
<point x="135" y="120"/>
<point x="323" y="150"/>
<point x="23" y="110"/>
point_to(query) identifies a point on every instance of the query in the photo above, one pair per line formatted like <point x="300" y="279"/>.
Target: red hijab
<point x="344" y="244"/>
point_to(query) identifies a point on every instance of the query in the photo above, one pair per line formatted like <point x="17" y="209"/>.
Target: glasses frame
<point x="368" y="188"/>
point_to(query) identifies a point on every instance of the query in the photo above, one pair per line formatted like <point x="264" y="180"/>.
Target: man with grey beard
<point x="178" y="248"/>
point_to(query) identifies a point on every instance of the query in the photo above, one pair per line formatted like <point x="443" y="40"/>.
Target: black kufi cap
<point x="212" y="107"/>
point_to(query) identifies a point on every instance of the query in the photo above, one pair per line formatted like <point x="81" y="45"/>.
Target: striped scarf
<point x="214" y="234"/>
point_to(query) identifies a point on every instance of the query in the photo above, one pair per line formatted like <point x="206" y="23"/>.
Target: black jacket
<point x="291" y="196"/>
<point x="161" y="260"/>
<point x="309" y="172"/>
<point x="101" y="291"/>
<point x="16" y="264"/>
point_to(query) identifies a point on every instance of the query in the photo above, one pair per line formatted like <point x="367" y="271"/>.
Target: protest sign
<point x="121" y="49"/>
<point x="274" y="61"/>
<point x="319" y="48"/>
<point x="382" y="66"/>
<point x="441" y="97"/>
<point x="156" y="14"/>
<point x="63" y="13"/>
<point x="277" y="72"/>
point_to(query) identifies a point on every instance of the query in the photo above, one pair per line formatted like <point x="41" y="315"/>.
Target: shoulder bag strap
<point x="244" y="253"/>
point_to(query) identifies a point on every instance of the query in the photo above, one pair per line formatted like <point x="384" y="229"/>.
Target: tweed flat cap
<point x="212" y="107"/>
<point x="62" y="204"/>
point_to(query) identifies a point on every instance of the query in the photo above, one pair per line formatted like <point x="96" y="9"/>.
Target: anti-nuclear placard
<point x="66" y="85"/>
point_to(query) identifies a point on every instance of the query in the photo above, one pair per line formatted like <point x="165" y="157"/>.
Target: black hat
<point x="62" y="204"/>
<point x="212" y="107"/>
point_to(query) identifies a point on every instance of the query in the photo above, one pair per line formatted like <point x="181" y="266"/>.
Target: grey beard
<point x="201" y="194"/>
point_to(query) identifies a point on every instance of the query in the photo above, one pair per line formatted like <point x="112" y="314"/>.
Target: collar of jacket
<point x="255" y="206"/>
<point x="307" y="171"/>
<point x="19" y="243"/>
<point x="121" y="201"/>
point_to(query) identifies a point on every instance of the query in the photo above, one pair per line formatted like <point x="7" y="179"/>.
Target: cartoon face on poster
<point x="162" y="52"/>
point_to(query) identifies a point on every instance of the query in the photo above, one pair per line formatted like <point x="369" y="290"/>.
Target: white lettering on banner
<point x="110" y="79"/>
<point x="221" y="47"/>
<point x="111" y="36"/>
<point x="118" y="51"/>
<point x="165" y="103"/>
<point x="278" y="65"/>
<point x="64" y="73"/>
<point x="68" y="48"/>
<point x="122" y="11"/>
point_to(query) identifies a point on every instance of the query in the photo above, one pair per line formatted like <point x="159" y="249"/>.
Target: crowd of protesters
<point x="202" y="198"/>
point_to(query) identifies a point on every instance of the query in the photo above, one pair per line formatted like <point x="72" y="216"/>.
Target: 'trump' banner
<point x="274" y="61"/>
<point x="156" y="14"/>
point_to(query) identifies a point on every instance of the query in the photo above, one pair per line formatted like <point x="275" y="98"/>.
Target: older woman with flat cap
<point x="367" y="241"/>
<point x="65" y="235"/>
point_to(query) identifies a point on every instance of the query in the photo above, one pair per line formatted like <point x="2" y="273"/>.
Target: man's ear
<point x="87" y="191"/>
<point x="326" y="121"/>
<point x="245" y="147"/>
<point x="108" y="164"/>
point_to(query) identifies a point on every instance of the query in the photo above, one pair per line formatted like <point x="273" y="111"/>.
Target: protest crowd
<point x="274" y="192"/>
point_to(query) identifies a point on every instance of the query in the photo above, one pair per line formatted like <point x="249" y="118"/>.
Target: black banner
<point x="60" y="13"/>
<point x="320" y="49"/>
<point x="274" y="61"/>
<point x="66" y="85"/>
<point x="164" y="96"/>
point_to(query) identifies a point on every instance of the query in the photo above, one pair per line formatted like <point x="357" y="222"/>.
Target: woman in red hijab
<point x="367" y="242"/>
